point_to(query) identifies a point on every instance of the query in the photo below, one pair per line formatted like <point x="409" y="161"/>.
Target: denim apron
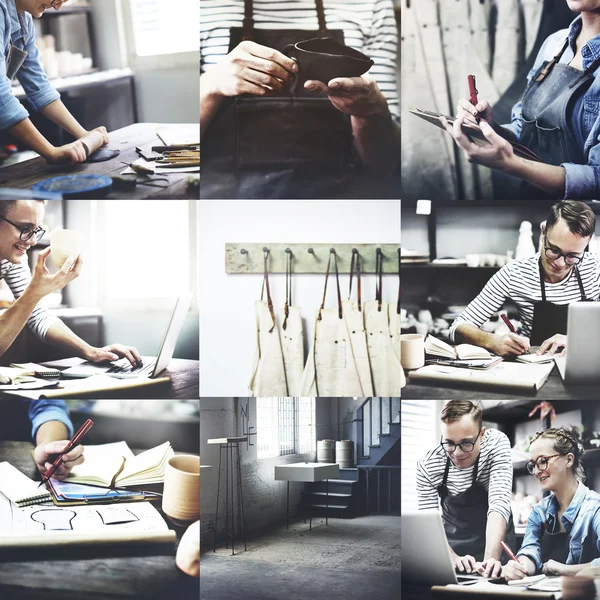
<point x="465" y="517"/>
<point x="292" y="145"/>
<point x="555" y="546"/>
<point x="549" y="318"/>
<point x="14" y="61"/>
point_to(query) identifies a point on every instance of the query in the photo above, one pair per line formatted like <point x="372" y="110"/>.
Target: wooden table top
<point x="65" y="576"/>
<point x="25" y="174"/>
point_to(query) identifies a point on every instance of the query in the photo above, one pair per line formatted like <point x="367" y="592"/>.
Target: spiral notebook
<point x="19" y="489"/>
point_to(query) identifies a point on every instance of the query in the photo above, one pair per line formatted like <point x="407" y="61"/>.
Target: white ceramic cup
<point x="181" y="495"/>
<point x="64" y="243"/>
<point x="412" y="350"/>
<point x="472" y="260"/>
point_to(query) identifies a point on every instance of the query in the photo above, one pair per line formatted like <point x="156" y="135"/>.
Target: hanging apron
<point x="386" y="370"/>
<point x="546" y="127"/>
<point x="292" y="145"/>
<point x="356" y="329"/>
<point x="549" y="318"/>
<point x="268" y="375"/>
<point x="331" y="369"/>
<point x="292" y="339"/>
<point x="555" y="546"/>
<point x="465" y="517"/>
<point x="14" y="61"/>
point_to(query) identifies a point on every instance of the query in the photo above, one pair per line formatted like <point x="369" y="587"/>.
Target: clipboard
<point x="77" y="494"/>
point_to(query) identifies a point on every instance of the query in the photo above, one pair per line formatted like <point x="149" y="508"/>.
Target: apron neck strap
<point x="542" y="285"/>
<point x="288" y="286"/>
<point x="248" y="24"/>
<point x="577" y="275"/>
<point x="447" y="470"/>
<point x="337" y="277"/>
<point x="355" y="260"/>
<point x="544" y="72"/>
<point x="379" y="278"/>
<point x="266" y="284"/>
<point x="583" y="298"/>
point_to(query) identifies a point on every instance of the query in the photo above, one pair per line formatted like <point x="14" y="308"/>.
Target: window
<point x="165" y="26"/>
<point x="419" y="432"/>
<point x="285" y="426"/>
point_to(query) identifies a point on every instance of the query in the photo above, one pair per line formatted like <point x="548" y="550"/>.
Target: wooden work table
<point x="553" y="389"/>
<point x="25" y="174"/>
<point x="64" y="576"/>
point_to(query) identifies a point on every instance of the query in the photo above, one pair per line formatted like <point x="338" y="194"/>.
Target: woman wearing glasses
<point x="541" y="287"/>
<point x="563" y="530"/>
<point x="19" y="231"/>
<point x="21" y="60"/>
<point x="469" y="476"/>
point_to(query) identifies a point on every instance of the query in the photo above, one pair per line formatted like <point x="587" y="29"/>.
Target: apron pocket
<point x="546" y="142"/>
<point x="292" y="132"/>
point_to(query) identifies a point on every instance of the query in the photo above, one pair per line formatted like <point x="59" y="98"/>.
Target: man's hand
<point x="490" y="568"/>
<point x="464" y="564"/>
<point x="45" y="454"/>
<point x="510" y="344"/>
<point x="250" y="69"/>
<point x="356" y="96"/>
<point x="513" y="570"/>
<point x="114" y="352"/>
<point x="552" y="345"/>
<point x="43" y="283"/>
<point x="553" y="567"/>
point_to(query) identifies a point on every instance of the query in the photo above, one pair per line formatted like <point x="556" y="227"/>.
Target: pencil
<point x="509" y="551"/>
<point x="508" y="323"/>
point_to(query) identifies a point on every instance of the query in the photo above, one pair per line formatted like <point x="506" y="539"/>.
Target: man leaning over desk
<point x="541" y="286"/>
<point x="469" y="476"/>
<point x="51" y="429"/>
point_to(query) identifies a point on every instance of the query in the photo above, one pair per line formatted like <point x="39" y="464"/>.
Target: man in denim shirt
<point x="558" y="117"/>
<point x="51" y="429"/>
<point x="563" y="530"/>
<point x="21" y="60"/>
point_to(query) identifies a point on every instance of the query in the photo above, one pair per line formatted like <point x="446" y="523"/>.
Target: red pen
<point x="509" y="325"/>
<point x="473" y="92"/>
<point x="74" y="442"/>
<point x="509" y="551"/>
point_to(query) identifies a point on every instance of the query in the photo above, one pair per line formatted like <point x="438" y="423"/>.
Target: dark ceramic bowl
<point x="324" y="59"/>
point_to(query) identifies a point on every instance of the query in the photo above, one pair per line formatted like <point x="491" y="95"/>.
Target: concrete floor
<point x="352" y="558"/>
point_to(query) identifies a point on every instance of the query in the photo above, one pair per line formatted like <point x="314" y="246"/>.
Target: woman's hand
<point x="553" y="567"/>
<point x="514" y="570"/>
<point x="250" y="69"/>
<point x="482" y="110"/>
<point x="72" y="154"/>
<point x="44" y="283"/>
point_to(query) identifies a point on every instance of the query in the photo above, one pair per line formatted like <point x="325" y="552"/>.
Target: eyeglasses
<point x="450" y="447"/>
<point x="27" y="232"/>
<point x="541" y="462"/>
<point x="570" y="259"/>
<point x="56" y="3"/>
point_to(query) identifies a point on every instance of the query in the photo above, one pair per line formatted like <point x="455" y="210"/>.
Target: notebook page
<point x="147" y="465"/>
<point x="15" y="485"/>
<point x="101" y="461"/>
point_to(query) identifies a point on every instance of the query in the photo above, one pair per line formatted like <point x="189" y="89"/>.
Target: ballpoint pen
<point x="74" y="442"/>
<point x="473" y="92"/>
<point x="508" y="323"/>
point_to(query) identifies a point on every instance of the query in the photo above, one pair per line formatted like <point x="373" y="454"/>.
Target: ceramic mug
<point x="64" y="243"/>
<point x="325" y="59"/>
<point x="181" y="495"/>
<point x="412" y="350"/>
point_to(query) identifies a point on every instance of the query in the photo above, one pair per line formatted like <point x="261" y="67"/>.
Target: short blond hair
<point x="454" y="410"/>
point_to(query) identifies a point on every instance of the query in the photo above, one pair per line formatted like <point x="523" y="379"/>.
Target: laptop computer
<point x="152" y="366"/>
<point x="580" y="365"/>
<point x="426" y="556"/>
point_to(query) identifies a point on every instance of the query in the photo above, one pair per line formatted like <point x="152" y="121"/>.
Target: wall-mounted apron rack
<point x="308" y="258"/>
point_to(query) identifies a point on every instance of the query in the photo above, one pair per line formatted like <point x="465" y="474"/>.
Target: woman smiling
<point x="21" y="60"/>
<point x="563" y="530"/>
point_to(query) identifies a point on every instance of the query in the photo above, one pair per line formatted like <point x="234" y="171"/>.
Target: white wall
<point x="227" y="322"/>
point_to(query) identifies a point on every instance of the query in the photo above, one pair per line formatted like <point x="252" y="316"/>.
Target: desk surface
<point x="137" y="577"/>
<point x="25" y="174"/>
<point x="553" y="389"/>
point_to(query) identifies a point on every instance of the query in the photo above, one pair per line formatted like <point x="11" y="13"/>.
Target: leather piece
<point x="102" y="155"/>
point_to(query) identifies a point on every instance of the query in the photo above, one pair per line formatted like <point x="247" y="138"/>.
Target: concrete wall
<point x="227" y="301"/>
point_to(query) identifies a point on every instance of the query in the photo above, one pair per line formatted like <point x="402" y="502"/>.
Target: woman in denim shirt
<point x="21" y="60"/>
<point x="563" y="530"/>
<point x="558" y="117"/>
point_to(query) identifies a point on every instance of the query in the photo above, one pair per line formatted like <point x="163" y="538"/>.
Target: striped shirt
<point x="494" y="472"/>
<point x="17" y="277"/>
<point x="519" y="281"/>
<point x="369" y="26"/>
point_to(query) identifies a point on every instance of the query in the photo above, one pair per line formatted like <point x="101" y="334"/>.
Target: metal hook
<point x="311" y="251"/>
<point x="243" y="251"/>
<point x="288" y="251"/>
<point x="378" y="250"/>
<point x="354" y="251"/>
<point x="332" y="250"/>
<point x="265" y="249"/>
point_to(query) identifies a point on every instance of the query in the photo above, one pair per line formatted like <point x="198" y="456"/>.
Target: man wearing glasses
<point x="541" y="286"/>
<point x="469" y="475"/>
<point x="19" y="231"/>
<point x="21" y="60"/>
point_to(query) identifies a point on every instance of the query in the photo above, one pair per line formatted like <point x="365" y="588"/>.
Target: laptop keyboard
<point x="124" y="366"/>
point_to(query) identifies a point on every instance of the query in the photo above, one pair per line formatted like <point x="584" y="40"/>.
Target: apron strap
<point x="266" y="283"/>
<point x="398" y="307"/>
<point x="446" y="471"/>
<point x="337" y="277"/>
<point x="475" y="469"/>
<point x="248" y="24"/>
<point x="355" y="257"/>
<point x="378" y="278"/>
<point x="288" y="286"/>
<point x="583" y="298"/>
<point x="544" y="72"/>
<point x="590" y="69"/>
<point x="542" y="286"/>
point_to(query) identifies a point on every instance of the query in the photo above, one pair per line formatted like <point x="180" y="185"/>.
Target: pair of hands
<point x="498" y="154"/>
<point x="512" y="344"/>
<point x="45" y="454"/>
<point x="515" y="570"/>
<point x="261" y="71"/>
<point x="44" y="283"/>
<point x="490" y="568"/>
<point x="75" y="152"/>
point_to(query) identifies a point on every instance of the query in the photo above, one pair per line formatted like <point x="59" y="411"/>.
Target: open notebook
<point x="113" y="465"/>
<point x="437" y="347"/>
<point x="19" y="489"/>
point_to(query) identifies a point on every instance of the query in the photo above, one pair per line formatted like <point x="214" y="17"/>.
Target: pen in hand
<point x="473" y="92"/>
<point x="508" y="323"/>
<point x="74" y="442"/>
